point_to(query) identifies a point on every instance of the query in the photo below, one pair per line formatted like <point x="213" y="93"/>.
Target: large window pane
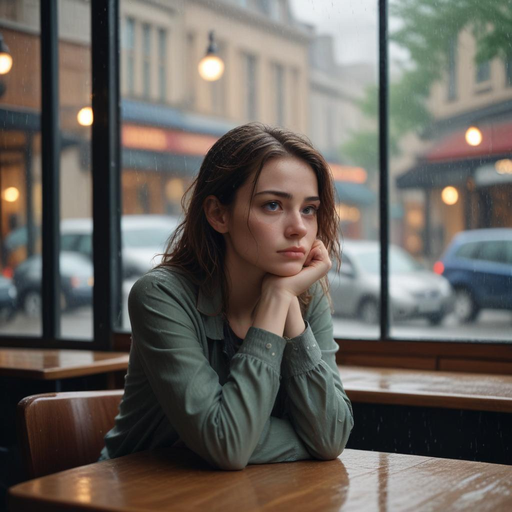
<point x="451" y="169"/>
<point x="308" y="66"/>
<point x="75" y="169"/>
<point x="20" y="170"/>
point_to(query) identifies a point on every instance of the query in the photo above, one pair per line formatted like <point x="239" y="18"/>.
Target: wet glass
<point x="76" y="267"/>
<point x="20" y="169"/>
<point x="451" y="169"/>
<point x="300" y="64"/>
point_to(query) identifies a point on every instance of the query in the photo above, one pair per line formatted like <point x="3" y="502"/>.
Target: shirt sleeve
<point x="318" y="406"/>
<point x="222" y="424"/>
<point x="279" y="442"/>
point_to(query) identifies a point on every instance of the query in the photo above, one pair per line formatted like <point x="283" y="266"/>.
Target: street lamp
<point x="211" y="66"/>
<point x="5" y="62"/>
<point x="85" y="116"/>
<point x="5" y="57"/>
<point x="473" y="136"/>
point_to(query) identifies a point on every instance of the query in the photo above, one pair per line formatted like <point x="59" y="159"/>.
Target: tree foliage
<point x="425" y="30"/>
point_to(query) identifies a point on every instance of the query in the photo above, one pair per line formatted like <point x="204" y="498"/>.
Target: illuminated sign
<point x="150" y="138"/>
<point x="348" y="173"/>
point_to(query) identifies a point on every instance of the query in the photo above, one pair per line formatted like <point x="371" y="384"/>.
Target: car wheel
<point x="465" y="308"/>
<point x="6" y="315"/>
<point x="369" y="311"/>
<point x="435" y="319"/>
<point x="64" y="305"/>
<point x="32" y="304"/>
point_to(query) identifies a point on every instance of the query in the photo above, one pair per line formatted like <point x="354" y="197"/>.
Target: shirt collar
<point x="211" y="307"/>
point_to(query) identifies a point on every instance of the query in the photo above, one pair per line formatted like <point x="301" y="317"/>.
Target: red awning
<point x="496" y="140"/>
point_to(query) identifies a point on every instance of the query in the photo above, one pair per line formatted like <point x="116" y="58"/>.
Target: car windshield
<point x="400" y="261"/>
<point x="146" y="237"/>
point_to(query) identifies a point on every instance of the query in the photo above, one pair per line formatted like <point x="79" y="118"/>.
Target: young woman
<point x="233" y="351"/>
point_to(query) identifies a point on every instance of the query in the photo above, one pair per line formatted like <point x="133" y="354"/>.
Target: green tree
<point x="425" y="30"/>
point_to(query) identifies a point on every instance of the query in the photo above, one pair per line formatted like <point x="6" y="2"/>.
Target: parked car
<point x="478" y="264"/>
<point x="143" y="237"/>
<point x="76" y="282"/>
<point x="414" y="291"/>
<point x="8" y="297"/>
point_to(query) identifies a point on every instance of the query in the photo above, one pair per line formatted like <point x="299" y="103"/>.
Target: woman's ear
<point x="216" y="214"/>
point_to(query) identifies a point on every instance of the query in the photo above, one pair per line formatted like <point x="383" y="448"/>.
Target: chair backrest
<point x="59" y="431"/>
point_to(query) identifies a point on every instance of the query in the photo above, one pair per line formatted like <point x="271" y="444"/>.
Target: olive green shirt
<point x="275" y="400"/>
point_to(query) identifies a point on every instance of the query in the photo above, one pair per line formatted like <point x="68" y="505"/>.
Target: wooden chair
<point x="59" y="431"/>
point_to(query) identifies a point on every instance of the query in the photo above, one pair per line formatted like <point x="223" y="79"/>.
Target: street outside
<point x="491" y="325"/>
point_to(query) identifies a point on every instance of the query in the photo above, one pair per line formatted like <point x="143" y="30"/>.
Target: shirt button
<point x="307" y="347"/>
<point x="314" y="345"/>
<point x="268" y="345"/>
<point x="273" y="353"/>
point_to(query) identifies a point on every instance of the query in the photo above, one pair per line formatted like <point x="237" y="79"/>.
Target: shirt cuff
<point x="302" y="354"/>
<point x="264" y="345"/>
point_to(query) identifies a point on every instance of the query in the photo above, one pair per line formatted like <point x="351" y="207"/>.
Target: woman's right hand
<point x="316" y="266"/>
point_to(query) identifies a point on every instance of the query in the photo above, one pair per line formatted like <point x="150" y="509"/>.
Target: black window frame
<point x="106" y="175"/>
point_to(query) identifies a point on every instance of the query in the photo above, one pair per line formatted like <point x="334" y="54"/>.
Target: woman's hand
<point x="316" y="266"/>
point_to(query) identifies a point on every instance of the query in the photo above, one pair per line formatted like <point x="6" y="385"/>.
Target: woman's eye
<point x="310" y="210"/>
<point x="273" y="206"/>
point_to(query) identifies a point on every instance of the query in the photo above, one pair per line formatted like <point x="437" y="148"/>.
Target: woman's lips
<point x="294" y="254"/>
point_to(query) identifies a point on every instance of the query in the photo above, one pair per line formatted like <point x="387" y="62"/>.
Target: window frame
<point x="474" y="356"/>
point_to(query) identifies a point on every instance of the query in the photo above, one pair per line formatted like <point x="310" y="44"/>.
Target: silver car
<point x="143" y="237"/>
<point x="414" y="291"/>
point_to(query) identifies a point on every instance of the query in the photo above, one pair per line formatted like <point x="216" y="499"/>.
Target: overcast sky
<point x="353" y="23"/>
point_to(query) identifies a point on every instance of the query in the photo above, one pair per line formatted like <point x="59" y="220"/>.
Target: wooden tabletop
<point x="177" y="480"/>
<point x="428" y="388"/>
<point x="46" y="364"/>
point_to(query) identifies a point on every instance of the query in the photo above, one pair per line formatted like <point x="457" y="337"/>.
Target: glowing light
<point x="473" y="136"/>
<point x="503" y="166"/>
<point x="11" y="194"/>
<point x="211" y="68"/>
<point x="5" y="63"/>
<point x="438" y="267"/>
<point x="174" y="189"/>
<point x="449" y="195"/>
<point x="85" y="116"/>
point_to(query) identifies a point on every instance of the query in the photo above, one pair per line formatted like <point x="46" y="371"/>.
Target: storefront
<point x="463" y="187"/>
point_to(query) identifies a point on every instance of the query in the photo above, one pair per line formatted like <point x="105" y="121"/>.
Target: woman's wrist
<point x="272" y="311"/>
<point x="294" y="325"/>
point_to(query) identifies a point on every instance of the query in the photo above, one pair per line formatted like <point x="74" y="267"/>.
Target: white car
<point x="414" y="291"/>
<point x="143" y="238"/>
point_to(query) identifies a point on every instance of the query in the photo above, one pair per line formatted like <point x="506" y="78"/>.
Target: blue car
<point x="478" y="264"/>
<point x="8" y="295"/>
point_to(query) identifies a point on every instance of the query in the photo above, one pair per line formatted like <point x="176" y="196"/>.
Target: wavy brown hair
<point x="196" y="248"/>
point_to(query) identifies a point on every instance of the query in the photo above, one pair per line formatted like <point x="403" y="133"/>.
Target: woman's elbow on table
<point x="236" y="463"/>
<point x="330" y="445"/>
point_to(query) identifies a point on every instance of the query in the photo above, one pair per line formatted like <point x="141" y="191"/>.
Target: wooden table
<point x="177" y="480"/>
<point x="452" y="390"/>
<point x="47" y="364"/>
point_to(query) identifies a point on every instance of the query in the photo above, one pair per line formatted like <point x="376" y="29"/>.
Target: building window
<point x="251" y="98"/>
<point x="218" y="87"/>
<point x="279" y="99"/>
<point x="508" y="71"/>
<point x="452" y="69"/>
<point x="162" y="67"/>
<point x="129" y="44"/>
<point x="483" y="72"/>
<point x="191" y="67"/>
<point x="146" y="60"/>
<point x="295" y="99"/>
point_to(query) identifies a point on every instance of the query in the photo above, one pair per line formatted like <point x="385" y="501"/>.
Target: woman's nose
<point x="296" y="226"/>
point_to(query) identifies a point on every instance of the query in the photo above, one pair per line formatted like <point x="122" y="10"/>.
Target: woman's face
<point x="275" y="232"/>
